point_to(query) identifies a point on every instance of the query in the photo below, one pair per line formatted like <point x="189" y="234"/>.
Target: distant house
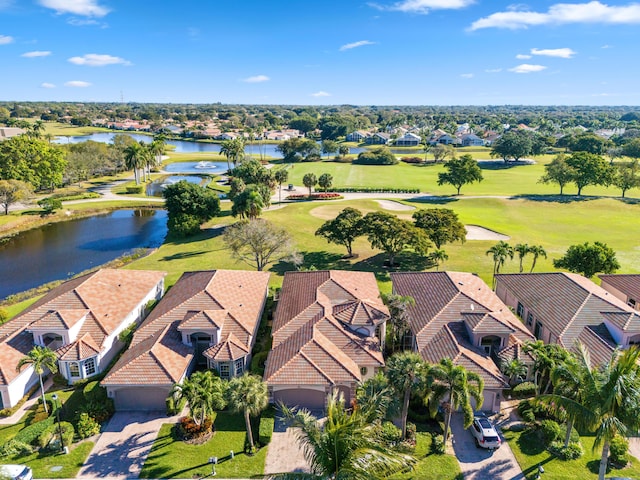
<point x="227" y="136"/>
<point x="623" y="287"/>
<point x="80" y="320"/>
<point x="379" y="138"/>
<point x="566" y="308"/>
<point x="444" y="139"/>
<point x="457" y="316"/>
<point x="208" y="319"/>
<point x="471" y="140"/>
<point x="408" y="140"/>
<point x="8" y="132"/>
<point x="326" y="333"/>
<point x="357" y="136"/>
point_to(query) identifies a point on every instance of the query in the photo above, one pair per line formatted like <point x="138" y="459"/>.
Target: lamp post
<point x="213" y="461"/>
<point x="54" y="397"/>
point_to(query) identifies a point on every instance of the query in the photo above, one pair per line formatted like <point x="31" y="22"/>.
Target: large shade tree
<point x="441" y="225"/>
<point x="344" y="229"/>
<point x="459" y="172"/>
<point x="588" y="259"/>
<point x="189" y="206"/>
<point x="13" y="191"/>
<point x="41" y="359"/>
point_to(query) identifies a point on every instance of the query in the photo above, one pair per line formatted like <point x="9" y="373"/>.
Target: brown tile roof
<point x="108" y="294"/>
<point x="231" y="299"/>
<point x="514" y="351"/>
<point x="229" y="349"/>
<point x="567" y="303"/>
<point x="81" y="349"/>
<point x="598" y="343"/>
<point x="446" y="304"/>
<point x="60" y="319"/>
<point x="311" y="343"/>
<point x="629" y="284"/>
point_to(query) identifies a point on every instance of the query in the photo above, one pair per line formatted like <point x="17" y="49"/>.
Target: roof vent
<point x="460" y="283"/>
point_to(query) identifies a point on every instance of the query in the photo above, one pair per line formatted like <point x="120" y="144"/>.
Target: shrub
<point x="40" y="414"/>
<point x="437" y="443"/>
<point x="15" y="447"/>
<point x="52" y="434"/>
<point x="257" y="363"/>
<point x="411" y="431"/>
<point x="550" y="430"/>
<point x="377" y="156"/>
<point x="524" y="389"/>
<point x="571" y="452"/>
<point x="135" y="189"/>
<point x="389" y="434"/>
<point x="49" y="205"/>
<point x="31" y="433"/>
<point x="315" y="196"/>
<point x="412" y="160"/>
<point x="265" y="430"/>
<point x="618" y="450"/>
<point x="374" y="190"/>
<point x="191" y="430"/>
<point x="87" y="426"/>
<point x="4" y="315"/>
<point x="174" y="406"/>
<point x="100" y="410"/>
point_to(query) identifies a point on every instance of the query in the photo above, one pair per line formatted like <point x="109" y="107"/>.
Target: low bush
<point x="377" y="156"/>
<point x="4" y="315"/>
<point x="411" y="431"/>
<point x="257" y="363"/>
<point x="316" y="196"/>
<point x="31" y="433"/>
<point x="51" y="434"/>
<point x="618" y="450"/>
<point x="412" y="160"/>
<point x="174" y="406"/>
<point x="135" y="189"/>
<point x="437" y="443"/>
<point x="418" y="417"/>
<point x="374" y="190"/>
<point x="87" y="426"/>
<point x="15" y="447"/>
<point x="524" y="389"/>
<point x="49" y="205"/>
<point x="191" y="430"/>
<point x="571" y="452"/>
<point x="550" y="431"/>
<point x="265" y="430"/>
<point x="388" y="434"/>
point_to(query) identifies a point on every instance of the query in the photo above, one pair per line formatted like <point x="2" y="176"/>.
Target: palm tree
<point x="344" y="446"/>
<point x="133" y="160"/>
<point x="458" y="386"/>
<point x="204" y="393"/>
<point x="610" y="404"/>
<point x="248" y="394"/>
<point x="41" y="359"/>
<point x="406" y="372"/>
<point x="438" y="256"/>
<point x="521" y="249"/>
<point x="500" y="251"/>
<point x="227" y="149"/>
<point x="514" y="369"/>
<point x="536" y="251"/>
<point x="233" y="149"/>
<point x="398" y="324"/>
<point x="157" y="147"/>
<point x="281" y="175"/>
<point x="546" y="357"/>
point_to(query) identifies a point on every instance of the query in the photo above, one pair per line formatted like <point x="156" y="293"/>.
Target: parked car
<point x="484" y="433"/>
<point x="16" y="472"/>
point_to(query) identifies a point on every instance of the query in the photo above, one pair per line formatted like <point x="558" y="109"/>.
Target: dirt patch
<point x="475" y="232"/>
<point x="395" y="206"/>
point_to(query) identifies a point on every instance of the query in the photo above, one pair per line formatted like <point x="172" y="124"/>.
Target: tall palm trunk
<point x="249" y="432"/>
<point x="447" y="424"/>
<point x="604" y="460"/>
<point x="44" y="401"/>
<point x="405" y="411"/>
<point x="568" y="435"/>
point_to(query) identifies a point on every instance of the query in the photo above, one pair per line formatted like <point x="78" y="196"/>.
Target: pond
<point x="61" y="250"/>
<point x="156" y="187"/>
<point x="183" y="146"/>
<point x="211" y="168"/>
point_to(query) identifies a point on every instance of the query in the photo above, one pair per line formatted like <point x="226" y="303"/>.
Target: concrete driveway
<point x="479" y="463"/>
<point x="284" y="453"/>
<point x="123" y="446"/>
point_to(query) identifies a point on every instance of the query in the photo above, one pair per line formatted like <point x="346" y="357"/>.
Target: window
<point x="223" y="368"/>
<point x="363" y="371"/>
<point x="74" y="369"/>
<point x="520" y="310"/>
<point x="90" y="367"/>
<point x="538" y="330"/>
<point x="631" y="302"/>
<point x="529" y="319"/>
<point x="239" y="364"/>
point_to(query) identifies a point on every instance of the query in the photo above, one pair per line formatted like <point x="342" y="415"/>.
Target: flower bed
<point x="316" y="196"/>
<point x="376" y="190"/>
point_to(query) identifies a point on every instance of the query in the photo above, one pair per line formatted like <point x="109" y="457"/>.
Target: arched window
<point x="90" y="367"/>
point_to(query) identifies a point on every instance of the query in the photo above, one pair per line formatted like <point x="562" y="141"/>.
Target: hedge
<point x="135" y="189"/>
<point x="31" y="433"/>
<point x="374" y="190"/>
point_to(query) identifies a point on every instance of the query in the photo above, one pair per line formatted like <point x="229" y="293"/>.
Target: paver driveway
<point x="479" y="463"/>
<point x="123" y="446"/>
<point x="285" y="453"/>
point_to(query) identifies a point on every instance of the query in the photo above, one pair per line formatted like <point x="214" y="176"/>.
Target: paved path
<point x="479" y="463"/>
<point x="123" y="446"/>
<point x="33" y="400"/>
<point x="284" y="453"/>
<point x="634" y="447"/>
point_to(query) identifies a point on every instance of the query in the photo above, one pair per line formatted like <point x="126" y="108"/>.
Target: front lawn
<point x="431" y="466"/>
<point x="172" y="458"/>
<point x="530" y="453"/>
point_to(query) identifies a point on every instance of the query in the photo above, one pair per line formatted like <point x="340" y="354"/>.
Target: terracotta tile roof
<point x="598" y="343"/>
<point x="567" y="303"/>
<point x="514" y="351"/>
<point x="311" y="342"/>
<point x="108" y="294"/>
<point x="629" y="284"/>
<point x="229" y="349"/>
<point x="446" y="304"/>
<point x="227" y="299"/>
<point x="81" y="349"/>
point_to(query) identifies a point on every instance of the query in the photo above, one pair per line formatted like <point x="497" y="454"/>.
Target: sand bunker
<point x="397" y="206"/>
<point x="474" y="232"/>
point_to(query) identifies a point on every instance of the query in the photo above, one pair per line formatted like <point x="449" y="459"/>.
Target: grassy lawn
<point x="430" y="466"/>
<point x="66" y="129"/>
<point x="530" y="453"/>
<point x="172" y="458"/>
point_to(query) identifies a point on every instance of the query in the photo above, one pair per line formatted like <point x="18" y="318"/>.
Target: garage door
<point x="311" y="399"/>
<point x="141" y="398"/>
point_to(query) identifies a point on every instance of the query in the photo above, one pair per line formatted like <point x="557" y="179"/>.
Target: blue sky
<point x="382" y="52"/>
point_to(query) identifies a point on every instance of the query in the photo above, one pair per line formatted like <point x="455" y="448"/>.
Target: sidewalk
<point x="33" y="399"/>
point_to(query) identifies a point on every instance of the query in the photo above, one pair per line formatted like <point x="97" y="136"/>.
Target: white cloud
<point x="36" y="54"/>
<point x="77" y="83"/>
<point x="360" y="43"/>
<point x="85" y="8"/>
<point x="5" y="39"/>
<point x="553" y="52"/>
<point x="522" y="56"/>
<point x="562" y="13"/>
<point x="83" y="22"/>
<point x="424" y="6"/>
<point x="527" y="68"/>
<point x="97" y="60"/>
<point x="256" y="79"/>
<point x="321" y="94"/>
<point x="466" y="75"/>
<point x="47" y="85"/>
<point x="606" y="46"/>
<point x="493" y="70"/>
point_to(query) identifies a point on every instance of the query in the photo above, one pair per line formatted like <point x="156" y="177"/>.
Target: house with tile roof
<point x="625" y="287"/>
<point x="327" y="332"/>
<point x="566" y="308"/>
<point x="80" y="320"/>
<point x="208" y="319"/>
<point x="457" y="316"/>
<point x="408" y="140"/>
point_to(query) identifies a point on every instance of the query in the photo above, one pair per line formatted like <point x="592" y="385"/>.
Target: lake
<point x="61" y="250"/>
